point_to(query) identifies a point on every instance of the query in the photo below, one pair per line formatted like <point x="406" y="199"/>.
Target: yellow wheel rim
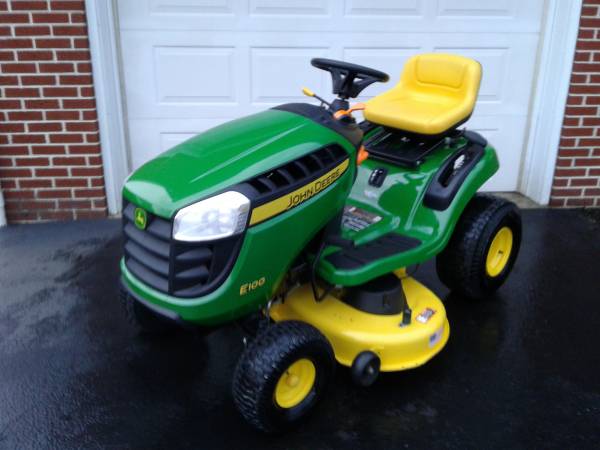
<point x="295" y="383"/>
<point x="499" y="252"/>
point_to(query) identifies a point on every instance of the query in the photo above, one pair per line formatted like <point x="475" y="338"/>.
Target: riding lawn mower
<point x="312" y="223"/>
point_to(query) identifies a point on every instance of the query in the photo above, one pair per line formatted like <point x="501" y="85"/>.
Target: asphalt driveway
<point x="521" y="370"/>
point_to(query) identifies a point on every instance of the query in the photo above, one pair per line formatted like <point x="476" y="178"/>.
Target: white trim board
<point x="103" y="35"/>
<point x="2" y="214"/>
<point x="555" y="60"/>
<point x="558" y="41"/>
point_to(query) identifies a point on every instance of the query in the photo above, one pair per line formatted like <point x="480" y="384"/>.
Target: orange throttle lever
<point x="347" y="112"/>
<point x="362" y="155"/>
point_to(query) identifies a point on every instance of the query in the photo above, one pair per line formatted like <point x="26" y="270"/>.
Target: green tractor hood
<point x="224" y="156"/>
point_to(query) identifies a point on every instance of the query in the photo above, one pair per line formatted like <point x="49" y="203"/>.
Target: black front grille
<point x="182" y="269"/>
<point x="296" y="173"/>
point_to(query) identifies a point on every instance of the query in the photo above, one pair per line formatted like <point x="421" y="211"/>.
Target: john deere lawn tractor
<point x="314" y="223"/>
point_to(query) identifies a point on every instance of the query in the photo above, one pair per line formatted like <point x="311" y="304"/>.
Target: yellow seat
<point x="436" y="92"/>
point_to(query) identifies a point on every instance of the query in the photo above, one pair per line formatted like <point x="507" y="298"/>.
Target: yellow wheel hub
<point x="499" y="252"/>
<point x="295" y="383"/>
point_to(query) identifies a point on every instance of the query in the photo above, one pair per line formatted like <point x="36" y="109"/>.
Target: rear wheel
<point x="483" y="248"/>
<point x="281" y="375"/>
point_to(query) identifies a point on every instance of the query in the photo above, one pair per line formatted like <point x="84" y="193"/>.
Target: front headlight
<point x="216" y="217"/>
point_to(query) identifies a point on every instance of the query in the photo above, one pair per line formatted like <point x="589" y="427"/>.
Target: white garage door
<point x="192" y="64"/>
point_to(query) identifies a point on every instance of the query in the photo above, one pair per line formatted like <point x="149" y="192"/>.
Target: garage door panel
<point x="349" y="15"/>
<point x="279" y="73"/>
<point x="187" y="75"/>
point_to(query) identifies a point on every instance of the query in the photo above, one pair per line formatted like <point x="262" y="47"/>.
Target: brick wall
<point x="50" y="163"/>
<point x="577" y="174"/>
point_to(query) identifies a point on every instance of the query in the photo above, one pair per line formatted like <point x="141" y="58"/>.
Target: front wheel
<point x="281" y="375"/>
<point x="483" y="247"/>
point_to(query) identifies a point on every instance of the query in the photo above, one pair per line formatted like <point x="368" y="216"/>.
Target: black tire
<point x="365" y="368"/>
<point x="263" y="363"/>
<point x="142" y="319"/>
<point x="462" y="264"/>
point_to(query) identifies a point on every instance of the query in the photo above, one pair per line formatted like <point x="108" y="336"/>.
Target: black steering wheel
<point x="349" y="79"/>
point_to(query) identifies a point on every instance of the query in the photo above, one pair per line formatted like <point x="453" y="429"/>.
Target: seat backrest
<point x="440" y="74"/>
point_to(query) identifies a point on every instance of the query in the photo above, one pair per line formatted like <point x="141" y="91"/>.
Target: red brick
<point x="589" y="142"/>
<point x="566" y="192"/>
<point x="79" y="104"/>
<point x="6" y="81"/>
<point x="578" y="131"/>
<point x="15" y="216"/>
<point x="16" y="43"/>
<point x="32" y="31"/>
<point x="591" y="121"/>
<point x="591" y="192"/>
<point x="584" y="89"/>
<point x="84" y="68"/>
<point x="29" y="162"/>
<point x="12" y="18"/>
<point x="83" y="204"/>
<point x="581" y="111"/>
<point x="583" y="56"/>
<point x="56" y="215"/>
<point x="50" y="18"/>
<point x="54" y="193"/>
<point x="89" y="149"/>
<point x="81" y="43"/>
<point x="12" y="127"/>
<point x="25" y="115"/>
<point x="35" y="183"/>
<point x="89" y="193"/>
<point x="29" y="5"/>
<point x="594" y="78"/>
<point x="578" y="78"/>
<point x="588" y="11"/>
<point x="89" y="115"/>
<point x="586" y="67"/>
<point x="71" y="182"/>
<point x="94" y="160"/>
<point x="6" y="162"/>
<point x="53" y="43"/>
<point x="92" y="137"/>
<point x="592" y="100"/>
<point x="60" y="92"/>
<point x="580" y="202"/>
<point x="589" y="23"/>
<point x="53" y="172"/>
<point x="77" y="18"/>
<point x="44" y="126"/>
<point x="21" y="92"/>
<point x="48" y="149"/>
<point x="564" y="162"/>
<point x="41" y="104"/>
<point x="73" y="5"/>
<point x="588" y="45"/>
<point x="596" y="152"/>
<point x="571" y="153"/>
<point x="10" y="104"/>
<point x="571" y="121"/>
<point x="68" y="161"/>
<point x="560" y="182"/>
<point x="73" y="55"/>
<point x="585" y="34"/>
<point x="569" y="172"/>
<point x="7" y="56"/>
<point x="595" y="172"/>
<point x="90" y="214"/>
<point x="99" y="203"/>
<point x="587" y="162"/>
<point x="5" y="31"/>
<point x="584" y="182"/>
<point x="28" y="139"/>
<point x="38" y="80"/>
<point x="18" y="68"/>
<point x="15" y="173"/>
<point x="62" y="115"/>
<point x="72" y="30"/>
<point x="96" y="182"/>
<point x="82" y="126"/>
<point x="66" y="138"/>
<point x="86" y="91"/>
<point x="9" y="184"/>
<point x="87" y="172"/>
<point x="56" y="67"/>
<point x="557" y="202"/>
<point x="75" y="79"/>
<point x="35" y="55"/>
<point x="11" y="195"/>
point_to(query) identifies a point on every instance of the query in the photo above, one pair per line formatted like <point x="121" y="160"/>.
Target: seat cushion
<point x="436" y="92"/>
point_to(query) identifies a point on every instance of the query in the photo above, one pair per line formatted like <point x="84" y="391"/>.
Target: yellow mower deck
<point x="351" y="331"/>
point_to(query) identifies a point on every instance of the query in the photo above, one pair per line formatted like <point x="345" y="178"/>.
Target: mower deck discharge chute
<point x="310" y="224"/>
